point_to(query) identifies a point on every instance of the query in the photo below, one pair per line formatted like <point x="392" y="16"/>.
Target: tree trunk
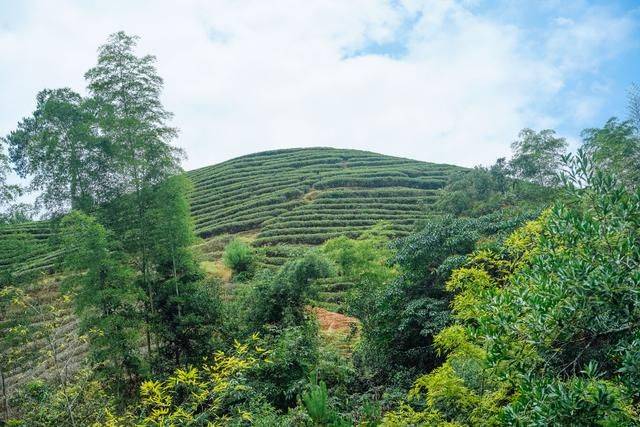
<point x="175" y="281"/>
<point x="5" y="398"/>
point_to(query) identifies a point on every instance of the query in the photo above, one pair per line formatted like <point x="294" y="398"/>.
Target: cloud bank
<point x="435" y="80"/>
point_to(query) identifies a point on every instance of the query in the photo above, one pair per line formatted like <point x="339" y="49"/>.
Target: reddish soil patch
<point x="330" y="321"/>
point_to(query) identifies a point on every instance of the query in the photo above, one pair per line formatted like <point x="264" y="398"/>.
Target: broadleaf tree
<point x="615" y="148"/>
<point x="57" y="148"/>
<point x="537" y="156"/>
<point x="8" y="192"/>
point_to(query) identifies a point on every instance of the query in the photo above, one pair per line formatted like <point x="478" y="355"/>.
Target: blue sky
<point x="604" y="84"/>
<point x="435" y="80"/>
<point x="608" y="81"/>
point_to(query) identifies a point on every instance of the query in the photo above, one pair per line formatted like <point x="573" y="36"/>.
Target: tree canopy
<point x="537" y="156"/>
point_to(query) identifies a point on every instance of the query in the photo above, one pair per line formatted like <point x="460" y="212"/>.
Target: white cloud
<point x="598" y="35"/>
<point x="254" y="75"/>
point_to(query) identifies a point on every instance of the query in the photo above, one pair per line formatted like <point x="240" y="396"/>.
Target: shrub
<point x="294" y="356"/>
<point x="280" y="299"/>
<point x="215" y="393"/>
<point x="239" y="257"/>
<point x="316" y="402"/>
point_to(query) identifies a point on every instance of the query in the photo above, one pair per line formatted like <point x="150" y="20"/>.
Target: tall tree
<point x="126" y="90"/>
<point x="173" y="232"/>
<point x="634" y="105"/>
<point x="57" y="148"/>
<point x="537" y="156"/>
<point x="188" y="309"/>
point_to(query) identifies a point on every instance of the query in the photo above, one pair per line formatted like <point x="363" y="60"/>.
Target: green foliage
<point x="546" y="323"/>
<point x="537" y="157"/>
<point x="362" y="267"/>
<point x="18" y="330"/>
<point x="403" y="317"/>
<point x="106" y="299"/>
<point x="58" y="148"/>
<point x="215" y="394"/>
<point x="28" y="250"/>
<point x="294" y="356"/>
<point x="126" y="89"/>
<point x="16" y="245"/>
<point x="189" y="323"/>
<point x="148" y="209"/>
<point x="173" y="228"/>
<point x="316" y="402"/>
<point x="364" y="258"/>
<point x="477" y="191"/>
<point x="34" y="327"/>
<point x="187" y="308"/>
<point x="239" y="257"/>
<point x="8" y="192"/>
<point x="616" y="149"/>
<point x="527" y="181"/>
<point x="575" y="402"/>
<point x="303" y="271"/>
<point x="18" y="213"/>
<point x="634" y="104"/>
<point x="280" y="299"/>
<point x="82" y="401"/>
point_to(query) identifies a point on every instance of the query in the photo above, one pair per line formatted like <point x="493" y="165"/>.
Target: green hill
<point x="280" y="198"/>
<point x="310" y="195"/>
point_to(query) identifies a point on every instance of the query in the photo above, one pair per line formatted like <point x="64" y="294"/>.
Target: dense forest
<point x="500" y="295"/>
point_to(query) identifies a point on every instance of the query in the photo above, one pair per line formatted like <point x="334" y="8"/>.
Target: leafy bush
<point x="294" y="356"/>
<point x="304" y="271"/>
<point x="217" y="392"/>
<point x="280" y="299"/>
<point x="239" y="257"/>
<point x="400" y="320"/>
<point x="189" y="323"/>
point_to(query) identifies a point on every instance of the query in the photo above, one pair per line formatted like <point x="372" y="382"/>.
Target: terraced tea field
<point x="282" y="199"/>
<point x="306" y="196"/>
<point x="27" y="251"/>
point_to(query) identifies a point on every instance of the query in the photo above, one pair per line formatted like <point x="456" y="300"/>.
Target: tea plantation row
<point x="293" y="197"/>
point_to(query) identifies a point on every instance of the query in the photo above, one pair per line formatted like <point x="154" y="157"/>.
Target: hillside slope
<point x="294" y="196"/>
<point x="309" y="195"/>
